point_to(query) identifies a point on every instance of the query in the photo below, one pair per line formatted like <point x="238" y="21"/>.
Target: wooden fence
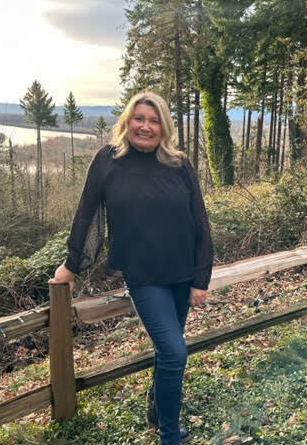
<point x="64" y="384"/>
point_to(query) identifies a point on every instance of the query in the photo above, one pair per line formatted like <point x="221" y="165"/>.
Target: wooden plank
<point x="114" y="369"/>
<point x="97" y="309"/>
<point x="23" y="323"/>
<point x="253" y="268"/>
<point x="62" y="375"/>
<point x="127" y="365"/>
<point x="258" y="323"/>
<point x="94" y="309"/>
<point x="25" y="404"/>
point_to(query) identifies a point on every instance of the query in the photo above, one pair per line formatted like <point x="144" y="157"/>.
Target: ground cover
<point x="251" y="391"/>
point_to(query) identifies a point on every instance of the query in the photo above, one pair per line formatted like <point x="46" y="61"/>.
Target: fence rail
<point x="61" y="393"/>
<point x="111" y="304"/>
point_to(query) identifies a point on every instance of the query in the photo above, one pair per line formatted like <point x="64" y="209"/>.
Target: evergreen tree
<point x="39" y="109"/>
<point x="221" y="30"/>
<point x="100" y="128"/>
<point x="72" y="115"/>
<point x="275" y="33"/>
<point x="156" y="53"/>
<point x="249" y="53"/>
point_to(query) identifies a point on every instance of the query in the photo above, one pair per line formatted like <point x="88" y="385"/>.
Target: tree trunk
<point x="42" y="207"/>
<point x="219" y="144"/>
<point x="283" y="152"/>
<point x="301" y="107"/>
<point x="259" y="139"/>
<point x="281" y="104"/>
<point x="248" y="129"/>
<point x="242" y="163"/>
<point x="270" y="145"/>
<point x="72" y="154"/>
<point x="179" y="88"/>
<point x="12" y="177"/>
<point x="274" y="129"/>
<point x="196" y="130"/>
<point x="291" y="124"/>
<point x="64" y="166"/>
<point x="31" y="196"/>
<point x="188" y="124"/>
<point x="39" y="176"/>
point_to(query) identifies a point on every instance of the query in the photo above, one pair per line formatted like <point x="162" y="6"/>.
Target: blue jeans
<point x="163" y="311"/>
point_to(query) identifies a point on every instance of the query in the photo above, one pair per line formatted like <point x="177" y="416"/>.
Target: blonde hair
<point x="166" y="152"/>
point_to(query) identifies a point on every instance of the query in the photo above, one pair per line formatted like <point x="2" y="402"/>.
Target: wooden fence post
<point x="62" y="376"/>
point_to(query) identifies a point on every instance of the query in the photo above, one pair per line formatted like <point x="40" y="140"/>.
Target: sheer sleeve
<point x="203" y="245"/>
<point x="88" y="227"/>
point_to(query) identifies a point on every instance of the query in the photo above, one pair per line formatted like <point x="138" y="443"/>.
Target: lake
<point x="27" y="136"/>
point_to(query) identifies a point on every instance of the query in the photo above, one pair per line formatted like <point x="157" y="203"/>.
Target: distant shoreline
<point x="56" y="129"/>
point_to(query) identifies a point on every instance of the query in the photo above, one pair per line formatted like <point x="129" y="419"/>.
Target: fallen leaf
<point x="196" y="420"/>
<point x="232" y="440"/>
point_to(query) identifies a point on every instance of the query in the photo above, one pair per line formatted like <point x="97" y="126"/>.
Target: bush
<point x="245" y="222"/>
<point x="23" y="282"/>
<point x="260" y="219"/>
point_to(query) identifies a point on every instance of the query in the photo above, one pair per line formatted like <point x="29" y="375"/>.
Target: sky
<point x="67" y="45"/>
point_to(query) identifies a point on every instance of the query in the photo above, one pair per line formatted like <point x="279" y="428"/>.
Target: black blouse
<point x="158" y="230"/>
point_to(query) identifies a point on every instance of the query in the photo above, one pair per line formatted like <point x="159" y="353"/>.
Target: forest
<point x="205" y="57"/>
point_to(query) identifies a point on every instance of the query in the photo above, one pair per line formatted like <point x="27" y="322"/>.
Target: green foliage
<point x="36" y="372"/>
<point x="100" y="128"/>
<point x="245" y="222"/>
<point x="259" y="219"/>
<point x="39" y="109"/>
<point x="72" y="113"/>
<point x="42" y="263"/>
<point x="23" y="283"/>
<point x="38" y="106"/>
<point x="232" y="391"/>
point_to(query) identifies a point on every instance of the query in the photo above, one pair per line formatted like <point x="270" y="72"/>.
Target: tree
<point x="214" y="60"/>
<point x="274" y="43"/>
<point x="39" y="109"/>
<point x="100" y="128"/>
<point x="156" y="53"/>
<point x="72" y="115"/>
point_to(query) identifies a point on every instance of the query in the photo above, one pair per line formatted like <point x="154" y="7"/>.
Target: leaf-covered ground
<point x="250" y="391"/>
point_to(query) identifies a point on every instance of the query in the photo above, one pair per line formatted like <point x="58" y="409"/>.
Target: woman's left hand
<point x="198" y="296"/>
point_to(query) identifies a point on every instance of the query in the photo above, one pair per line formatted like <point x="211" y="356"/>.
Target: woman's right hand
<point x="63" y="275"/>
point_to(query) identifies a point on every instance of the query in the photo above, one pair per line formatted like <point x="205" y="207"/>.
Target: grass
<point x="251" y="391"/>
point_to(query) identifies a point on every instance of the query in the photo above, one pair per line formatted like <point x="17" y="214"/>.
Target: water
<point x="27" y="136"/>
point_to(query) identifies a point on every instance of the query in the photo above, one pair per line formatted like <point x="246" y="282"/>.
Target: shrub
<point x="23" y="282"/>
<point x="259" y="219"/>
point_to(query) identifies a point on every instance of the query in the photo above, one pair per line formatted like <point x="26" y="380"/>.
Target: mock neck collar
<point x="142" y="152"/>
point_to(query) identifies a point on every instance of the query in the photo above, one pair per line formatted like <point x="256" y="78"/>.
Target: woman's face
<point x="144" y="128"/>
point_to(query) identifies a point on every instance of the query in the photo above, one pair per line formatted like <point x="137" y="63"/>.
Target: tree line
<point x="211" y="55"/>
<point x="40" y="109"/>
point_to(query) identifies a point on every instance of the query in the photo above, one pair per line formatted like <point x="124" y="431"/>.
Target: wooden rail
<point x="61" y="393"/>
<point x="110" y="304"/>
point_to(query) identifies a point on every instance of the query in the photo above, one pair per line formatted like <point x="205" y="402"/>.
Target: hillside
<point x="87" y="110"/>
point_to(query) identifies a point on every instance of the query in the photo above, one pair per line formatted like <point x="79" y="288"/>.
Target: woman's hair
<point x="166" y="152"/>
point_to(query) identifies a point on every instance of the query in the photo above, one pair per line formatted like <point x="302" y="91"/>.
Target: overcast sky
<point x="67" y="45"/>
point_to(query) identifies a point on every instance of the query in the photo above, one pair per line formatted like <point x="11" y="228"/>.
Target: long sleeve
<point x="203" y="245"/>
<point x="88" y="228"/>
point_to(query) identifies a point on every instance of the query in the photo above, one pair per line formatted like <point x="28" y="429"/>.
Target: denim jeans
<point x="163" y="311"/>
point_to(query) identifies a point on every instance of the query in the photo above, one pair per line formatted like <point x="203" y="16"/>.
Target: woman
<point x="158" y="236"/>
